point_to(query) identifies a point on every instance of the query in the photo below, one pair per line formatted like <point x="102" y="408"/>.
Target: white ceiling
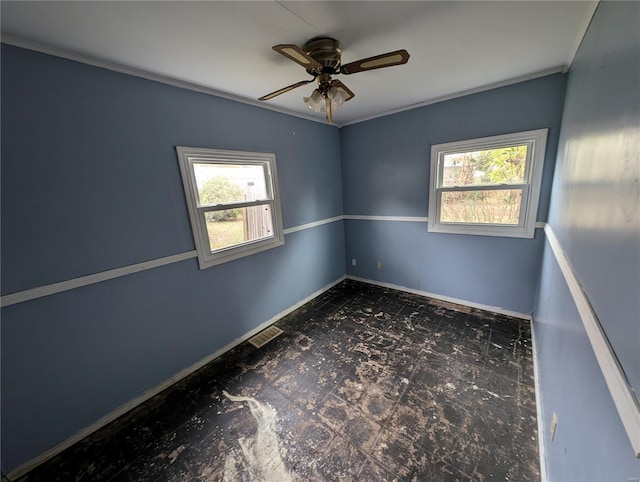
<point x="225" y="47"/>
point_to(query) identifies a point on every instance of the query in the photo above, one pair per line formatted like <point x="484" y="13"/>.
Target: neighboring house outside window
<point x="487" y="186"/>
<point x="233" y="202"/>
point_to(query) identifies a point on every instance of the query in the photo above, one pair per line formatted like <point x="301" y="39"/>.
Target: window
<point x="488" y="186"/>
<point x="233" y="202"/>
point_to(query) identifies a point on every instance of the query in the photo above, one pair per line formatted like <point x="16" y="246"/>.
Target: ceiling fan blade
<point x="298" y="55"/>
<point x="285" y="89"/>
<point x="389" y="59"/>
<point x="346" y="92"/>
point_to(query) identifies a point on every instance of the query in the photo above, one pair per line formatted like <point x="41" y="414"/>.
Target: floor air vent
<point x="265" y="336"/>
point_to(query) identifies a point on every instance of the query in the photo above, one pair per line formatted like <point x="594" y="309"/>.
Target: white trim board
<point x="41" y="291"/>
<point x="359" y="217"/>
<point x="623" y="399"/>
<point x="130" y="405"/>
<point x="313" y="224"/>
<point x="448" y="299"/>
<point x="413" y="219"/>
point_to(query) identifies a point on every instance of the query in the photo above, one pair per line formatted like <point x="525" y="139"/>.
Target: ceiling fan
<point x="321" y="57"/>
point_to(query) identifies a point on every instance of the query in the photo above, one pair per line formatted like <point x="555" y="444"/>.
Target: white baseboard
<point x="539" y="415"/>
<point x="448" y="299"/>
<point x="130" y="405"/>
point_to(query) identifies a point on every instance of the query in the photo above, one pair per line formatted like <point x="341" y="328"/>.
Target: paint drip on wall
<point x="259" y="458"/>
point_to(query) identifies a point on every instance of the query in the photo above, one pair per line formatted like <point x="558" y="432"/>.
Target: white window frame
<point x="187" y="157"/>
<point x="535" y="140"/>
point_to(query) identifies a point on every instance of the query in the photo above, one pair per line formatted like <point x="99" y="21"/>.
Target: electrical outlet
<point x="554" y="424"/>
<point x="353" y="262"/>
<point x="379" y="265"/>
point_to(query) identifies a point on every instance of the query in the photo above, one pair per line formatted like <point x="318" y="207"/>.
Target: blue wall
<point x="91" y="182"/>
<point x="595" y="215"/>
<point x="385" y="171"/>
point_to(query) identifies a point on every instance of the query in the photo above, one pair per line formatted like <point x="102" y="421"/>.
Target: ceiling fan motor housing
<point x="321" y="58"/>
<point x="326" y="51"/>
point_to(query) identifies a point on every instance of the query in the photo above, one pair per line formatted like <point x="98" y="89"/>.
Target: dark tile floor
<point x="365" y="384"/>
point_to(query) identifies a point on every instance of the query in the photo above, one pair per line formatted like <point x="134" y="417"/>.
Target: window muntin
<point x="487" y="186"/>
<point x="233" y="202"/>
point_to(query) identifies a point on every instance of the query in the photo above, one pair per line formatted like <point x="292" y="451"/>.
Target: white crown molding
<point x="144" y="74"/>
<point x="586" y="21"/>
<point x="113" y="66"/>
<point x="463" y="93"/>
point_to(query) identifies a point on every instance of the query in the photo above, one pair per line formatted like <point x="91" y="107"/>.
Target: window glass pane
<point x="500" y="206"/>
<point x="505" y="165"/>
<point x="225" y="183"/>
<point x="230" y="227"/>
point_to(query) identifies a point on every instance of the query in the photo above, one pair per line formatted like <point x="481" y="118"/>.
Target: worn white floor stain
<point x="259" y="459"/>
<point x="174" y="455"/>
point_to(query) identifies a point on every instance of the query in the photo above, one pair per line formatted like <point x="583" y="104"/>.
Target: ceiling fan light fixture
<point x="315" y="101"/>
<point x="321" y="57"/>
<point x="336" y="96"/>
